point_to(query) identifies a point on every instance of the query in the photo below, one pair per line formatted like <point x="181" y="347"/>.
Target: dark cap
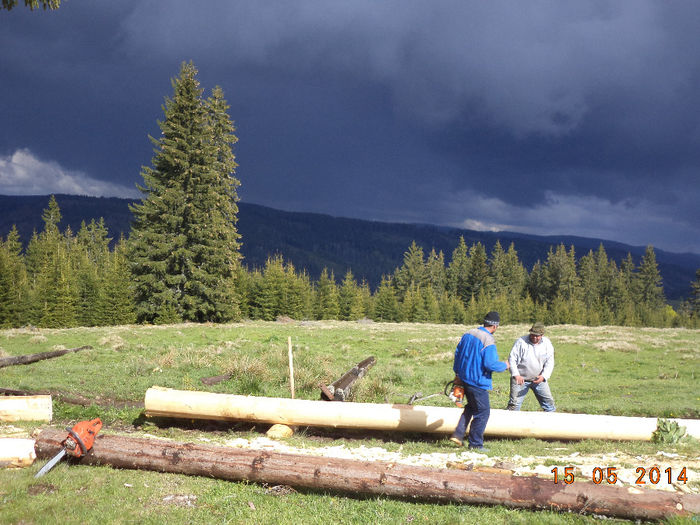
<point x="537" y="329"/>
<point x="492" y="319"/>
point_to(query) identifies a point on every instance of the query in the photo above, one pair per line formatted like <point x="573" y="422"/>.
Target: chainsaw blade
<point x="51" y="463"/>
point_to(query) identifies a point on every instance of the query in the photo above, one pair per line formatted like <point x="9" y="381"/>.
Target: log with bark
<point x="342" y="388"/>
<point x="33" y="358"/>
<point x="375" y="478"/>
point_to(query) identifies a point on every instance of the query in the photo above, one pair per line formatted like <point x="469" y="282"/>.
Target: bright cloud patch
<point x="588" y="216"/>
<point x="24" y="174"/>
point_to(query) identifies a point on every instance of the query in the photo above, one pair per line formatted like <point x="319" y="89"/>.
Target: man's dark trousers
<point x="478" y="408"/>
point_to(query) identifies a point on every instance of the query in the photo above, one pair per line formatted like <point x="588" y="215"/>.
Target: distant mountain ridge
<point x="314" y="241"/>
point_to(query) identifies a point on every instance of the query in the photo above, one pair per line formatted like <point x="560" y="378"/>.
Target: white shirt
<point x="529" y="360"/>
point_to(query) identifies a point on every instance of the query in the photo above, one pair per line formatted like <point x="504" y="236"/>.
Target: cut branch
<point x="32" y="358"/>
<point x="376" y="478"/>
<point x="342" y="387"/>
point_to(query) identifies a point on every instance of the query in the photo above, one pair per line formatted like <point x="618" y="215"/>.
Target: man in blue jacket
<point x="475" y="359"/>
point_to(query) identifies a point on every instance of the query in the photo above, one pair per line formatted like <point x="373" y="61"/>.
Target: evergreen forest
<point x="181" y="261"/>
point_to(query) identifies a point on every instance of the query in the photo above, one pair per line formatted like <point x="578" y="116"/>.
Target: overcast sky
<point x="544" y="117"/>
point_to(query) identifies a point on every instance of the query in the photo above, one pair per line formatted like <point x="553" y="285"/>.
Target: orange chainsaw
<point x="78" y="442"/>
<point x="456" y="392"/>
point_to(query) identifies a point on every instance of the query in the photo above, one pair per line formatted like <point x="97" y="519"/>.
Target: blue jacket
<point x="476" y="358"/>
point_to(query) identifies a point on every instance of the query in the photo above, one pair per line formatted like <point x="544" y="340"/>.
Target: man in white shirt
<point x="531" y="364"/>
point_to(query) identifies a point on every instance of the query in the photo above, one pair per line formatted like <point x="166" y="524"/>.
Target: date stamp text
<point x="645" y="475"/>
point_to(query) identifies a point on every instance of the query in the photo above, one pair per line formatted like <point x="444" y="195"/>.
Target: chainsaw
<point x="78" y="442"/>
<point x="456" y="392"/>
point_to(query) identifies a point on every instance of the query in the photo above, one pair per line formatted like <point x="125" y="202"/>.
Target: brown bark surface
<point x="343" y="386"/>
<point x="378" y="478"/>
<point x="32" y="358"/>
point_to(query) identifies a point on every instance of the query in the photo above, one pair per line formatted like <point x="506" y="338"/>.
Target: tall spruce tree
<point x="515" y="274"/>
<point x="184" y="248"/>
<point x="272" y="296"/>
<point x="413" y="272"/>
<point x="53" y="291"/>
<point x="497" y="270"/>
<point x="349" y="299"/>
<point x="89" y="257"/>
<point x="366" y="299"/>
<point x="431" y="306"/>
<point x="649" y="284"/>
<point x="436" y="272"/>
<point x="116" y="299"/>
<point x="478" y="280"/>
<point x="450" y="309"/>
<point x="590" y="280"/>
<point x="560" y="274"/>
<point x="301" y="293"/>
<point x="620" y="298"/>
<point x="326" y="305"/>
<point x="458" y="273"/>
<point x="13" y="281"/>
<point x="536" y="285"/>
<point x="386" y="305"/>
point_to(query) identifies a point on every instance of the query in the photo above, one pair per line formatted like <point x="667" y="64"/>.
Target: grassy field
<point x="602" y="370"/>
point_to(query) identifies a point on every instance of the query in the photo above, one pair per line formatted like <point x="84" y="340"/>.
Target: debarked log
<point x="16" y="452"/>
<point x="26" y="408"/>
<point x="32" y="358"/>
<point x="166" y="402"/>
<point x="376" y="478"/>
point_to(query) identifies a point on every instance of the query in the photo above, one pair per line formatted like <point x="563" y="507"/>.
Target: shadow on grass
<point x="312" y="433"/>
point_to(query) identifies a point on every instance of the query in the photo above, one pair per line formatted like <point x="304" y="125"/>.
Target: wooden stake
<point x="291" y="367"/>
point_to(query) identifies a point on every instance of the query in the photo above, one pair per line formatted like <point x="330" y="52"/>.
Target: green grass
<point x="104" y="495"/>
<point x="603" y="370"/>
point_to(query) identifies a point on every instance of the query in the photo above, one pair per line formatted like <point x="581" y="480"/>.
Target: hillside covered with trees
<point x="314" y="241"/>
<point x="66" y="279"/>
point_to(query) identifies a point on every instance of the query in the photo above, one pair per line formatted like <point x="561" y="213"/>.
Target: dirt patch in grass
<point x="41" y="488"/>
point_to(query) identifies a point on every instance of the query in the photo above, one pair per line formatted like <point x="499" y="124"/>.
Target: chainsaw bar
<point x="51" y="463"/>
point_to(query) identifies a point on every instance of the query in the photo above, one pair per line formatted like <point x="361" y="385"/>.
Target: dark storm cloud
<point x="545" y="117"/>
